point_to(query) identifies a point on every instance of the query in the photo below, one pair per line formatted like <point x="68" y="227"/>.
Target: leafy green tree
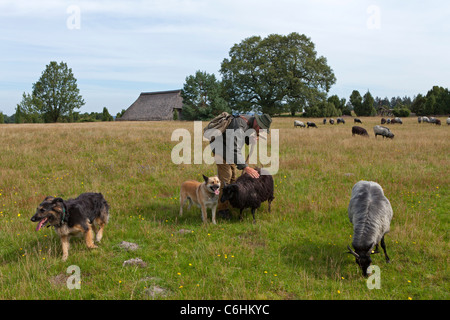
<point x="340" y="105"/>
<point x="329" y="110"/>
<point x="26" y="112"/>
<point x="2" y="118"/>
<point x="401" y="110"/>
<point x="56" y="93"/>
<point x="367" y="105"/>
<point x="120" y="114"/>
<point x="106" y="116"/>
<point x="430" y="104"/>
<point x="356" y="102"/>
<point x="202" y="97"/>
<point x="275" y="74"/>
<point x="438" y="101"/>
<point x="418" y="106"/>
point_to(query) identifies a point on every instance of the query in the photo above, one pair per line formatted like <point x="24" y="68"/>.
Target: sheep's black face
<point x="364" y="262"/>
<point x="229" y="192"/>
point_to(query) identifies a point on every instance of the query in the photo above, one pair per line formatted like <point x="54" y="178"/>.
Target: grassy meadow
<point x="298" y="251"/>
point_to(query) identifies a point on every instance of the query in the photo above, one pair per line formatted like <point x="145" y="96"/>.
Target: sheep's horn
<point x="352" y="252"/>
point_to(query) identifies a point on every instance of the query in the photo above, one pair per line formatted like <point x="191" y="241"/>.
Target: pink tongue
<point x="39" y="226"/>
<point x="217" y="191"/>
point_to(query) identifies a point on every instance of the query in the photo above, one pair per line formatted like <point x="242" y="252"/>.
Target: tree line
<point x="274" y="75"/>
<point x="19" y="117"/>
<point x="283" y="75"/>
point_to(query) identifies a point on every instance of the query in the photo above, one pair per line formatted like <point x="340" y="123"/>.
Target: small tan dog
<point x="203" y="194"/>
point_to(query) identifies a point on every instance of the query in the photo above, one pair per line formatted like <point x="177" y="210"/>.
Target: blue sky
<point x="118" y="49"/>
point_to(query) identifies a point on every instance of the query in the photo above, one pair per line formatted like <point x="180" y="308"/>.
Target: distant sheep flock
<point x="378" y="130"/>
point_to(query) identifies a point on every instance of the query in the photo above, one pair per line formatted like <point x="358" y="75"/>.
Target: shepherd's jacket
<point x="229" y="145"/>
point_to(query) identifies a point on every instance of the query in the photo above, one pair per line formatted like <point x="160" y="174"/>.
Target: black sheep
<point x="248" y="192"/>
<point x="359" y="131"/>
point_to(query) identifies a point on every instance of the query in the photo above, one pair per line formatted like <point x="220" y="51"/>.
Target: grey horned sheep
<point x="371" y="213"/>
<point x="383" y="131"/>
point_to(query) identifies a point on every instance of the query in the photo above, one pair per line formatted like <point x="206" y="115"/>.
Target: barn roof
<point x="151" y="106"/>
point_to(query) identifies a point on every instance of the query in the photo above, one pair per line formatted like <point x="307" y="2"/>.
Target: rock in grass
<point x="129" y="246"/>
<point x="135" y="262"/>
<point x="157" y="291"/>
<point x="184" y="231"/>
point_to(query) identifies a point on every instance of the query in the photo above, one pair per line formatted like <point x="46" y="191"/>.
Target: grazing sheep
<point x="299" y="124"/>
<point x="371" y="213"/>
<point x="340" y="120"/>
<point x="448" y="121"/>
<point x="383" y="120"/>
<point x="356" y="120"/>
<point x="359" y="131"/>
<point x="432" y="120"/>
<point x="425" y="119"/>
<point x="388" y="121"/>
<point x="331" y="121"/>
<point x="396" y="120"/>
<point x="311" y="124"/>
<point x="383" y="131"/>
<point x="438" y="122"/>
<point x="419" y="119"/>
<point x="324" y="121"/>
<point x="248" y="192"/>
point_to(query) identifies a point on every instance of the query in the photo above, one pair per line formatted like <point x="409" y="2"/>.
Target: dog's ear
<point x="205" y="178"/>
<point x="57" y="200"/>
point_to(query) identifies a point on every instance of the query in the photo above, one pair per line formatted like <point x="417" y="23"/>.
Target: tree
<point x="275" y="74"/>
<point x="356" y="102"/>
<point x="106" y="116"/>
<point x="25" y="110"/>
<point x="418" y="105"/>
<point x="367" y="106"/>
<point x="2" y="118"/>
<point x="202" y="98"/>
<point x="401" y="110"/>
<point x="56" y="93"/>
<point x="340" y="105"/>
<point x="120" y="114"/>
<point x="437" y="101"/>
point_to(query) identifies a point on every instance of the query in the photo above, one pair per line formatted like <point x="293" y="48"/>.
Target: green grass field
<point x="296" y="252"/>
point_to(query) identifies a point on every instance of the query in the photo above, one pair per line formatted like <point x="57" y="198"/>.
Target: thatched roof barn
<point x="155" y="106"/>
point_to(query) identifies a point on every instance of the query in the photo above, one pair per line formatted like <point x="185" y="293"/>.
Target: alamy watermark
<point x="258" y="153"/>
<point x="374" y="20"/>
<point x="374" y="280"/>
<point x="74" y="281"/>
<point x="73" y="22"/>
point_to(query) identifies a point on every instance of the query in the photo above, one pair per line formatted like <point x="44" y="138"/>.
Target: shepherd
<point x="227" y="151"/>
